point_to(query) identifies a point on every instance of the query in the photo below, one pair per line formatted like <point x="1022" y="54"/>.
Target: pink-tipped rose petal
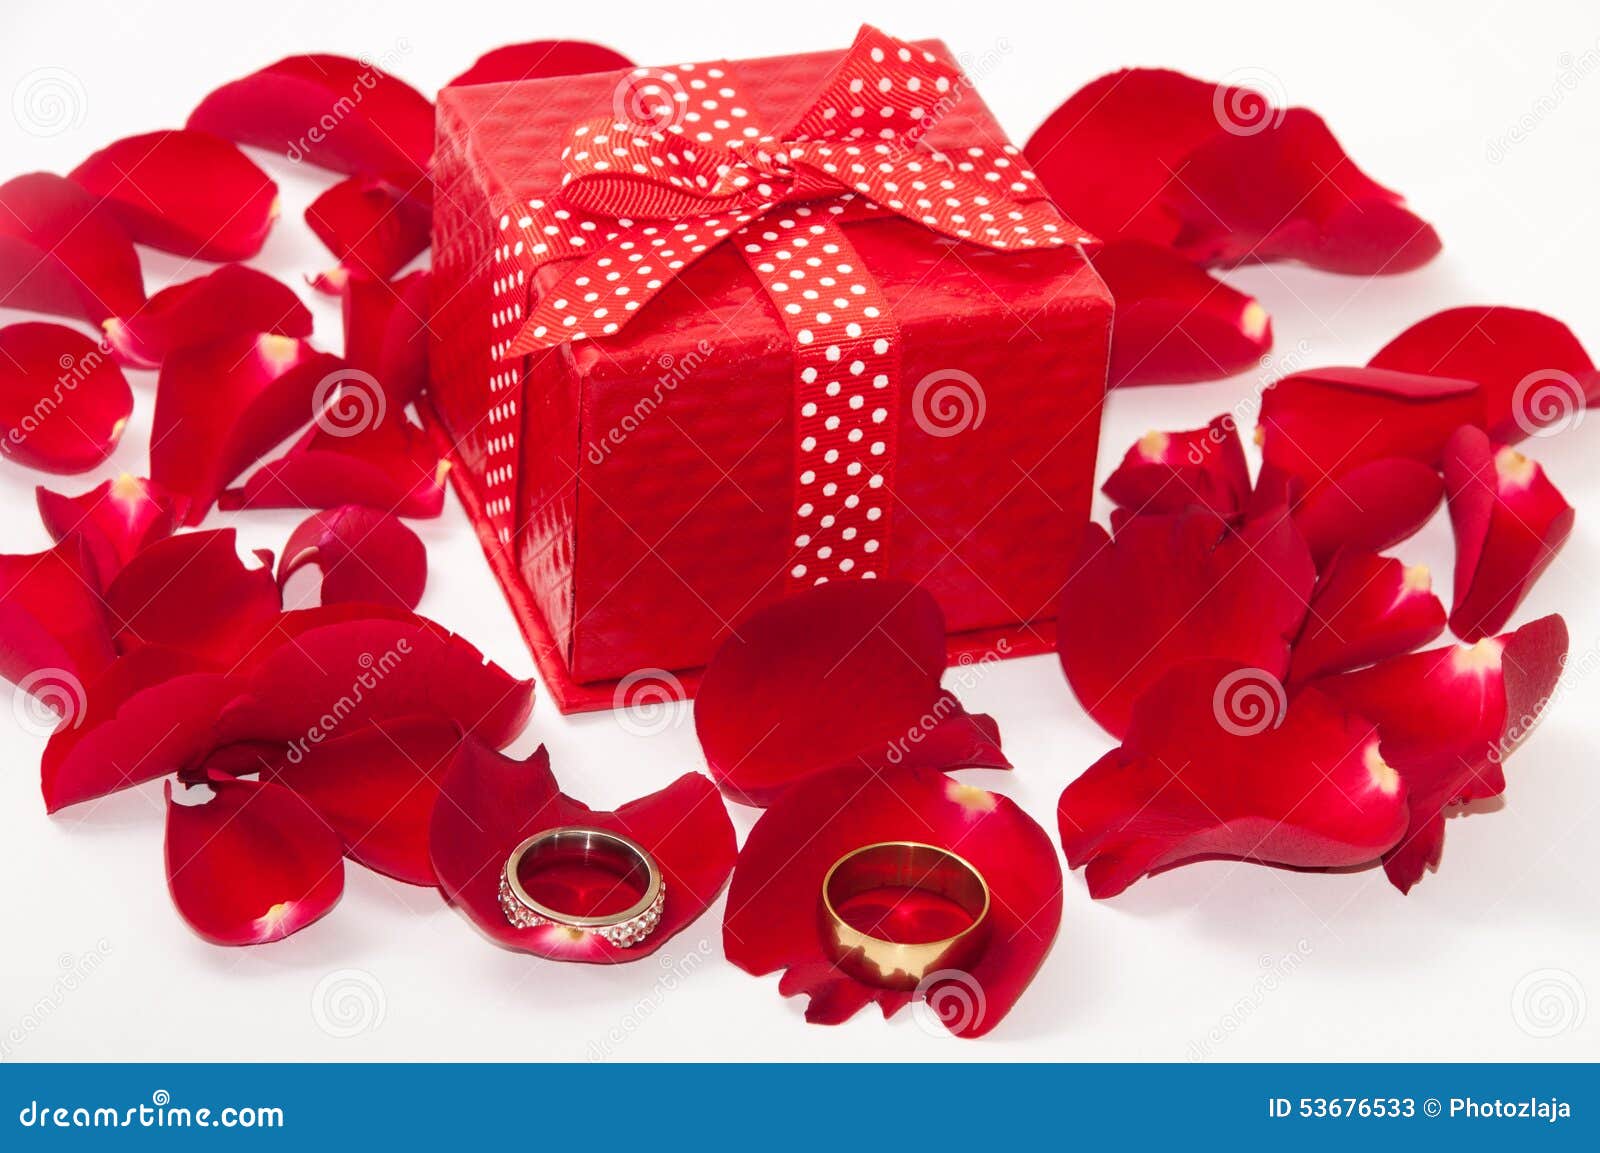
<point x="63" y="400"/>
<point x="114" y="521"/>
<point x="232" y="301"/>
<point x="61" y="252"/>
<point x="363" y="555"/>
<point x="1171" y="471"/>
<point x="1365" y="608"/>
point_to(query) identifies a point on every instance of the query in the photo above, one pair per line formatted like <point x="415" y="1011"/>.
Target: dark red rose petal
<point x="1172" y="589"/>
<point x="1509" y="522"/>
<point x="186" y="192"/>
<point x="252" y="864"/>
<point x="114" y="521"/>
<point x="1172" y="471"/>
<point x="232" y="301"/>
<point x="846" y="673"/>
<point x="489" y="804"/>
<point x="1174" y="322"/>
<point x="331" y="111"/>
<point x="63" y="400"/>
<point x="220" y="406"/>
<point x="1365" y="608"/>
<point x="1217" y="763"/>
<point x="62" y="253"/>
<point x="1371" y="507"/>
<point x="1318" y="425"/>
<point x="376" y="786"/>
<point x="364" y="556"/>
<point x="1531" y="370"/>
<point x="53" y="631"/>
<point x="191" y="592"/>
<point x="771" y="920"/>
<point x="541" y="58"/>
<point x="386" y="334"/>
<point x="1448" y="718"/>
<point x="371" y="229"/>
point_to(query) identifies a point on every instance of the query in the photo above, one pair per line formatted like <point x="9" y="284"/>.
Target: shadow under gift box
<point x="635" y="494"/>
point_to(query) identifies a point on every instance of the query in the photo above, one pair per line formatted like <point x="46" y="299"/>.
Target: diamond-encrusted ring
<point x="612" y="852"/>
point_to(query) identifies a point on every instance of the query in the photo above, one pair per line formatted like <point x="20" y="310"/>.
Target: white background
<point x="1188" y="965"/>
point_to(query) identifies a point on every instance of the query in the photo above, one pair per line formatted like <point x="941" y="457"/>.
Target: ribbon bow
<point x="674" y="195"/>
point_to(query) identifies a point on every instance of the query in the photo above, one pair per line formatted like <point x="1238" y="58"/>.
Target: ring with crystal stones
<point x="575" y="845"/>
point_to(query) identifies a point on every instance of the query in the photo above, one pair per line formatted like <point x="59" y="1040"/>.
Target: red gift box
<point x="641" y="490"/>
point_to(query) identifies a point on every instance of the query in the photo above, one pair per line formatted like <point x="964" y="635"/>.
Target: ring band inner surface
<point x="576" y="876"/>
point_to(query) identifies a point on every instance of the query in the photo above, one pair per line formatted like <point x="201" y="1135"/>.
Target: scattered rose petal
<point x="232" y="301"/>
<point x="489" y="804"/>
<point x="1177" y="588"/>
<point x="1172" y="471"/>
<point x="1509" y="521"/>
<point x="63" y="402"/>
<point x="386" y="334"/>
<point x="53" y="630"/>
<point x="371" y="229"/>
<point x="846" y="673"/>
<point x="771" y="921"/>
<point x="62" y="253"/>
<point x="364" y="556"/>
<point x="114" y="521"/>
<point x="1371" y="507"/>
<point x="1217" y="763"/>
<point x="220" y="406"/>
<point x="1365" y="608"/>
<point x="1174" y="322"/>
<point x="1533" y="374"/>
<point x="254" y="863"/>
<point x="186" y="192"/>
<point x="540" y="58"/>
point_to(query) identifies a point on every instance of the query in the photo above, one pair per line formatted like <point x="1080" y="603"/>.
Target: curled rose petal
<point x="1171" y="471"/>
<point x="63" y="400"/>
<point x="1509" y="521"/>
<point x="1534" y="376"/>
<point x="232" y="301"/>
<point x="489" y="804"/>
<point x="846" y="673"/>
<point x="53" y="632"/>
<point x="371" y="229"/>
<point x="62" y="253"/>
<point x="1177" y="588"/>
<point x="1371" y="507"/>
<point x="1219" y="762"/>
<point x="386" y="334"/>
<point x="1174" y="322"/>
<point x="376" y="786"/>
<point x="1365" y="608"/>
<point x="114" y="521"/>
<point x="363" y="555"/>
<point x="192" y="593"/>
<point x="382" y="126"/>
<point x="771" y="920"/>
<point x="1318" y="425"/>
<point x="220" y="406"/>
<point x="1448" y="718"/>
<point x="254" y="863"/>
<point x="541" y="58"/>
<point x="183" y="191"/>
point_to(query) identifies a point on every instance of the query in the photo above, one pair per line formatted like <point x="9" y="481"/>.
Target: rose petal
<point x="489" y="804"/>
<point x="539" y="58"/>
<point x="220" y="406"/>
<point x="186" y="192"/>
<point x="376" y="786"/>
<point x="62" y="253"/>
<point x="1172" y="589"/>
<point x="384" y="127"/>
<point x="371" y="229"/>
<point x="771" y="920"/>
<point x="53" y="632"/>
<point x="1174" y="322"/>
<point x="1448" y="718"/>
<point x="1509" y="521"/>
<point x="63" y="402"/>
<point x="1172" y="471"/>
<point x="1365" y="608"/>
<point x="232" y="301"/>
<point x="1217" y="763"/>
<point x="846" y="673"/>
<point x="386" y="334"/>
<point x="1532" y="372"/>
<point x="191" y="592"/>
<point x="114" y="521"/>
<point x="1371" y="507"/>
<point x="252" y="864"/>
<point x="364" y="556"/>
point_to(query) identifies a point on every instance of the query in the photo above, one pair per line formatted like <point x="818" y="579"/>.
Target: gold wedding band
<point x="908" y="865"/>
<point x="612" y="852"/>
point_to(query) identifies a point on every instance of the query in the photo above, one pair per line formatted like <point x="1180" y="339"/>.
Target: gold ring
<point x="909" y="866"/>
<point x="612" y="852"/>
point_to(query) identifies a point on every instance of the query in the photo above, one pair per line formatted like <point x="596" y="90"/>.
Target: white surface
<point x="1419" y="100"/>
